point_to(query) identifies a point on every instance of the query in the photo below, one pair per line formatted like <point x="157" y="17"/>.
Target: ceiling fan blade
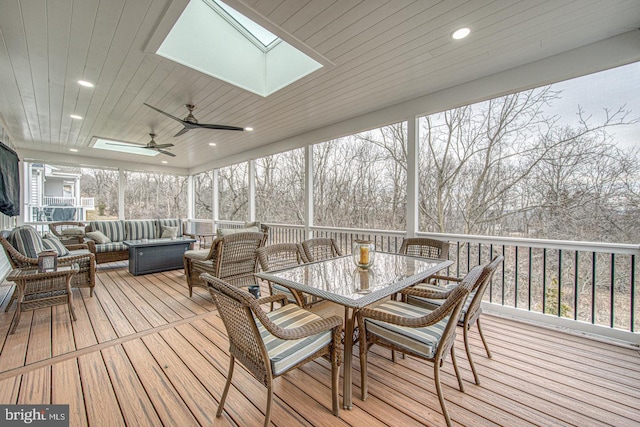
<point x="184" y="130"/>
<point x="163" y="145"/>
<point x="162" y="112"/>
<point x="167" y="153"/>
<point x="220" y="127"/>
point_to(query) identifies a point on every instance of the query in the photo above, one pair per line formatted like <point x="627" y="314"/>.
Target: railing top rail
<point x="540" y="243"/>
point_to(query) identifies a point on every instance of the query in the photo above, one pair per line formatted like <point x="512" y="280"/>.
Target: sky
<point x="607" y="89"/>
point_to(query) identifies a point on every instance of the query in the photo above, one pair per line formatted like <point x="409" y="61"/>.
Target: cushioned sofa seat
<point x="108" y="245"/>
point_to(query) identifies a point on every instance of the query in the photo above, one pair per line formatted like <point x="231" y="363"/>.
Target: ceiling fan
<point x="190" y="122"/>
<point x="151" y="145"/>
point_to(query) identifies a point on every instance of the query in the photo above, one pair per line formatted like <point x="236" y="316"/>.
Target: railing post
<point x="413" y="133"/>
<point x="308" y="191"/>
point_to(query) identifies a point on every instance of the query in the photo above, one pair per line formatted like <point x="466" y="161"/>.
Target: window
<point x="150" y="195"/>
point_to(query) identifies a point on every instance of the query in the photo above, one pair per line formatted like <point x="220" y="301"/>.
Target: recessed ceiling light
<point x="213" y="144"/>
<point x="165" y="162"/>
<point x="75" y="117"/>
<point x="85" y="83"/>
<point x="73" y="150"/>
<point x="249" y="129"/>
<point x="460" y="33"/>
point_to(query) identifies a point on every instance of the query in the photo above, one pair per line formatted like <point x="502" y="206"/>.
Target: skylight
<point x="211" y="37"/>
<point x="261" y="34"/>
<point x="123" y="147"/>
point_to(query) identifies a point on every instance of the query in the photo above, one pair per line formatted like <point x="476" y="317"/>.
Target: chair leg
<point x="364" y="349"/>
<point x="443" y="405"/>
<point x="486" y="347"/>
<point x="226" y="386"/>
<point x="465" y="334"/>
<point x="267" y="415"/>
<point x="393" y="356"/>
<point x="455" y="368"/>
<point x="335" y="381"/>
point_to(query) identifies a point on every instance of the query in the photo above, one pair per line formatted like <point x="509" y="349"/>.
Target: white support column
<point x="252" y="190"/>
<point x="412" y="177"/>
<point x="308" y="190"/>
<point x="190" y="198"/>
<point x="122" y="183"/>
<point x="215" y="206"/>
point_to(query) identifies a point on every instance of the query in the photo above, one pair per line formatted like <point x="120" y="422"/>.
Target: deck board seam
<point x="101" y="346"/>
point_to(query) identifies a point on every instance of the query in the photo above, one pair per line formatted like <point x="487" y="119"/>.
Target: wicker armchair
<point x="264" y="344"/>
<point x="426" y="334"/>
<point x="471" y="310"/>
<point x="321" y="248"/>
<point x="232" y="258"/>
<point x="283" y="255"/>
<point x="61" y="231"/>
<point x="79" y="254"/>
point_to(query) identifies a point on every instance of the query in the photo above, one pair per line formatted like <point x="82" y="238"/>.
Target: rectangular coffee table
<point x="154" y="255"/>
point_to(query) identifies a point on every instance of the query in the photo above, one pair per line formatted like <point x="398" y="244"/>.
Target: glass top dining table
<point x="340" y="281"/>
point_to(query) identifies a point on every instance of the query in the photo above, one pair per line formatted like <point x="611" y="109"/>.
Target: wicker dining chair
<point x="411" y="329"/>
<point x="284" y="255"/>
<point x="232" y="258"/>
<point x="321" y="248"/>
<point x="424" y="248"/>
<point x="472" y="309"/>
<point x="270" y="344"/>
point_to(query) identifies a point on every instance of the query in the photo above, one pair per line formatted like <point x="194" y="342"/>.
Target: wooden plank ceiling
<point x="384" y="53"/>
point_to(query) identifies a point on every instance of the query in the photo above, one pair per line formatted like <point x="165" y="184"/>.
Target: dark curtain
<point x="9" y="181"/>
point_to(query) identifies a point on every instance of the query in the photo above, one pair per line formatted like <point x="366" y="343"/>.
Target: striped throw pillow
<point x="27" y="241"/>
<point x="50" y="241"/>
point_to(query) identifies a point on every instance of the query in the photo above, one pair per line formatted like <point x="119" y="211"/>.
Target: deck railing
<point x="85" y="202"/>
<point x="585" y="282"/>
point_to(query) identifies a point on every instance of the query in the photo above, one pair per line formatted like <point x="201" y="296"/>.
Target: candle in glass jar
<point x="364" y="255"/>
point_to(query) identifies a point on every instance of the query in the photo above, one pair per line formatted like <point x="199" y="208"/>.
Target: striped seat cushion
<point x="111" y="247"/>
<point x="432" y="304"/>
<point x="27" y="241"/>
<point x="50" y="241"/>
<point x="141" y="229"/>
<point x="423" y="341"/>
<point x="114" y="230"/>
<point x="169" y="223"/>
<point x="284" y="354"/>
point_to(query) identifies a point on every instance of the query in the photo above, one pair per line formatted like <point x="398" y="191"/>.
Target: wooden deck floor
<point x="143" y="353"/>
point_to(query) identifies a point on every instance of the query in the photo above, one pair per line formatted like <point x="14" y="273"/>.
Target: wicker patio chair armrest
<point x="445" y="278"/>
<point x="91" y="245"/>
<point x="311" y="328"/>
<point x="75" y="258"/>
<point x="411" y="322"/>
<point x="272" y="298"/>
<point x="428" y="293"/>
<point x="77" y="246"/>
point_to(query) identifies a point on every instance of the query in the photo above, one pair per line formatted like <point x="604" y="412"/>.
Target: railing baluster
<point x="544" y="280"/>
<point x="530" y="274"/>
<point x="559" y="282"/>
<point x="576" y="282"/>
<point x="515" y="277"/>
<point x="593" y="288"/>
<point x="612" y="291"/>
<point x="633" y="293"/>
